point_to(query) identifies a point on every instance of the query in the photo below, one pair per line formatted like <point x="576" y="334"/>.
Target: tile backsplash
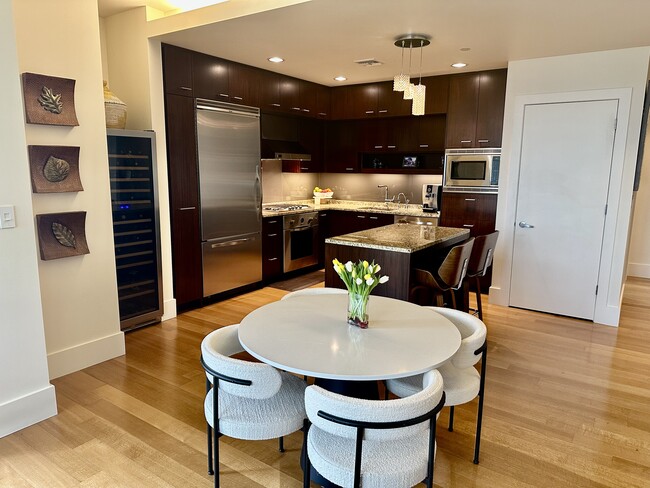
<point x="278" y="186"/>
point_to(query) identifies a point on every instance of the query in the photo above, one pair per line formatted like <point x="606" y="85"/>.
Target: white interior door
<point x="566" y="158"/>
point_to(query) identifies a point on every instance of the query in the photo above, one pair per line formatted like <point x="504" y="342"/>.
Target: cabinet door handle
<point x="238" y="98"/>
<point x="223" y="95"/>
<point x="378" y="147"/>
<point x="483" y="141"/>
<point x="185" y="88"/>
<point x="465" y="142"/>
<point x="187" y="208"/>
<point x="384" y="111"/>
<point x="468" y="225"/>
<point x="273" y="259"/>
<point x="361" y="216"/>
<point x="306" y="110"/>
<point x="349" y="169"/>
<point x="295" y="108"/>
<point x="370" y="112"/>
<point x="374" y="218"/>
<point x="424" y="145"/>
<point x="271" y="235"/>
<point x="272" y="222"/>
<point x="275" y="105"/>
<point x="391" y="146"/>
<point x="303" y="168"/>
<point x="470" y="199"/>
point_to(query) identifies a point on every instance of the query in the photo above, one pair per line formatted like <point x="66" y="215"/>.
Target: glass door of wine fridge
<point x="132" y="167"/>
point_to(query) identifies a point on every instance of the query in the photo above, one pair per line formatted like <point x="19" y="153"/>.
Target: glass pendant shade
<point x="400" y="82"/>
<point x="419" y="95"/>
<point x="408" y="93"/>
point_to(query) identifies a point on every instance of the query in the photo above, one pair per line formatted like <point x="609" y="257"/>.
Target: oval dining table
<point x="309" y="335"/>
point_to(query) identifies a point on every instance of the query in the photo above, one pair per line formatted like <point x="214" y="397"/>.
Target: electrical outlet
<point x="7" y="217"/>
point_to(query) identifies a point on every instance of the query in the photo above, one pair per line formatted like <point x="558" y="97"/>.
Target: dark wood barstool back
<point x="480" y="261"/>
<point x="448" y="277"/>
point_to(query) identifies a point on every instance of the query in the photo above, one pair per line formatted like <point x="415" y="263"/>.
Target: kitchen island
<point x="397" y="248"/>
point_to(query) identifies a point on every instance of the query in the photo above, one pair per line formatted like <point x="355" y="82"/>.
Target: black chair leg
<point x="451" y="419"/>
<point x="479" y="414"/>
<point x="306" y="475"/>
<point x="479" y="305"/>
<point x="281" y="444"/>
<point x="210" y="466"/>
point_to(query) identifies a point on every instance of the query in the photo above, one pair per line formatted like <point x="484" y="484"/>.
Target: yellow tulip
<point x="365" y="264"/>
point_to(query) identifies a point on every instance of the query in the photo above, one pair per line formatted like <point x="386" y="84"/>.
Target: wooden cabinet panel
<point x="308" y="98"/>
<point x="341" y="150"/>
<point x="323" y="99"/>
<point x="243" y="83"/>
<point x="491" y="104"/>
<point x="289" y="94"/>
<point x="437" y="94"/>
<point x="475" y="206"/>
<point x="272" y="248"/>
<point x="177" y="70"/>
<point x="311" y="134"/>
<point x="431" y="133"/>
<point x="391" y="103"/>
<point x="268" y="90"/>
<point x="184" y="198"/>
<point x="461" y="114"/>
<point x="210" y="77"/>
<point x="475" y="112"/>
<point x="340" y="102"/>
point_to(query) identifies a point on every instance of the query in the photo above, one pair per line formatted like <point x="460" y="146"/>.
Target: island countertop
<point x="403" y="238"/>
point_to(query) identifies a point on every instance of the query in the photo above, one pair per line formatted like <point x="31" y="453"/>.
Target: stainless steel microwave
<point x="472" y="169"/>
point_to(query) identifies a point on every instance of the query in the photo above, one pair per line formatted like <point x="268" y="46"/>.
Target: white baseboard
<point x="169" y="310"/>
<point x="498" y="296"/>
<point x="84" y="355"/>
<point x="639" y="270"/>
<point x="27" y="410"/>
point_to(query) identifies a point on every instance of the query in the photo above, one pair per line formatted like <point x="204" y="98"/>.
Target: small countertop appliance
<point x="431" y="197"/>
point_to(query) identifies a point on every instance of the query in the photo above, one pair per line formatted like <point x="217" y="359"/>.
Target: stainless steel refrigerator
<point x="231" y="195"/>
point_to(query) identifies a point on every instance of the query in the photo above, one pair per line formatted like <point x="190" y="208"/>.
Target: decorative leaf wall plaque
<point x="61" y="235"/>
<point x="54" y="169"/>
<point x="49" y="100"/>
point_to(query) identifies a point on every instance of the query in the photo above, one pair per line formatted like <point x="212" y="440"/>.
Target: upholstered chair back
<point x="472" y="332"/>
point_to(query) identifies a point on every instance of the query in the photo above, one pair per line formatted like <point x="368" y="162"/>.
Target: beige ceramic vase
<point x="115" y="110"/>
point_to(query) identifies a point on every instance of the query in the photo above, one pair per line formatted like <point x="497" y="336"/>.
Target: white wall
<point x="26" y="396"/>
<point x="639" y="255"/>
<point x="79" y="294"/>
<point x="592" y="71"/>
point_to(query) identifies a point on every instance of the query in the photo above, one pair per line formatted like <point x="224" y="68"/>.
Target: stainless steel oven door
<point x="300" y="247"/>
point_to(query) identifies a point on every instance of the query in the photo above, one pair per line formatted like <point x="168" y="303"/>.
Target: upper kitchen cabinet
<point x="437" y="94"/>
<point x="290" y="95"/>
<point x="268" y="90"/>
<point x="243" y="85"/>
<point x="177" y="70"/>
<point x="211" y="77"/>
<point x="323" y="101"/>
<point x="475" y="111"/>
<point x="368" y="100"/>
<point x="341" y="147"/>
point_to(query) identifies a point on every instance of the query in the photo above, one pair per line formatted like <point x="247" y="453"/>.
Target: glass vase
<point x="358" y="310"/>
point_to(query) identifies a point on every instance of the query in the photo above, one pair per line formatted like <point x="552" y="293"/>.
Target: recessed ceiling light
<point x="340" y="78"/>
<point x="459" y="65"/>
<point x="276" y="59"/>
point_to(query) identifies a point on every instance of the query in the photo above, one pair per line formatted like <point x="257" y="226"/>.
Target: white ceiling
<point x="322" y="38"/>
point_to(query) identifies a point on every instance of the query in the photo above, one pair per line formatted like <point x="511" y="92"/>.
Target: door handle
<point x="235" y="242"/>
<point x="525" y="225"/>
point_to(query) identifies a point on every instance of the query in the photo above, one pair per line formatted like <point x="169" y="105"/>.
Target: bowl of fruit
<point x="323" y="192"/>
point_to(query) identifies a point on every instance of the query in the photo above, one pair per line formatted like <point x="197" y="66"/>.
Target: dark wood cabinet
<point x="272" y="249"/>
<point x="183" y="199"/>
<point x="475" y="111"/>
<point x="391" y="103"/>
<point x="243" y="85"/>
<point x="177" y="70"/>
<point x="268" y="90"/>
<point x="341" y="149"/>
<point x="473" y="211"/>
<point x="290" y="95"/>
<point x="211" y="77"/>
<point x="311" y="136"/>
<point x="323" y="101"/>
<point x="437" y="94"/>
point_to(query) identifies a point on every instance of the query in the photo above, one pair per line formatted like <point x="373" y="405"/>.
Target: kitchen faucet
<point x="406" y="200"/>
<point x="386" y="199"/>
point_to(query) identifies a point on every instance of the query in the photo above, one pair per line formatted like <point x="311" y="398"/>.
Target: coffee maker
<point x="431" y="195"/>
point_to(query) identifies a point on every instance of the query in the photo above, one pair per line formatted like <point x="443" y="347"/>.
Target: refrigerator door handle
<point x="258" y="191"/>
<point x="235" y="242"/>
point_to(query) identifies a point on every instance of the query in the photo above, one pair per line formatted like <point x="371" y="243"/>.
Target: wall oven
<point x="301" y="248"/>
<point x="472" y="170"/>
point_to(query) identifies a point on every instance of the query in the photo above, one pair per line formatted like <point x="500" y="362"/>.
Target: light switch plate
<point x="7" y="217"/>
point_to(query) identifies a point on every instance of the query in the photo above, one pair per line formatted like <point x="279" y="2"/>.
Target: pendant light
<point x="411" y="91"/>
<point x="401" y="81"/>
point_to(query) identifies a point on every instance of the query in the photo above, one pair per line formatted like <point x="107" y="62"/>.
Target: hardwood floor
<point x="567" y="405"/>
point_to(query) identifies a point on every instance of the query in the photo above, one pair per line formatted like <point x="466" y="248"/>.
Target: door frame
<point x="607" y="309"/>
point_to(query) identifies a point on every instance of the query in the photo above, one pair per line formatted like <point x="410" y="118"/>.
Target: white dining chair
<point x="315" y="291"/>
<point x="462" y="381"/>
<point x="254" y="401"/>
<point x="373" y="443"/>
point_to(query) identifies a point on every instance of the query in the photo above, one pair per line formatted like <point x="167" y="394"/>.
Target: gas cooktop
<point x="281" y="208"/>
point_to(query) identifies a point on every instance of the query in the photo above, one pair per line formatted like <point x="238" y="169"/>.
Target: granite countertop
<point x="351" y="206"/>
<point x="404" y="238"/>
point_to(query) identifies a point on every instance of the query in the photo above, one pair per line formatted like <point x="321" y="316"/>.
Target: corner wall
<point x="26" y="396"/>
<point x="575" y="73"/>
<point x="79" y="294"/>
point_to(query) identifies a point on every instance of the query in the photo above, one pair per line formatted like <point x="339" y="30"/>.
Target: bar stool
<point x="480" y="261"/>
<point x="448" y="277"/>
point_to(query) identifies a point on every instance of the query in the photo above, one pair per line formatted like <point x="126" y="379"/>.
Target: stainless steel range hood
<point x="284" y="150"/>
